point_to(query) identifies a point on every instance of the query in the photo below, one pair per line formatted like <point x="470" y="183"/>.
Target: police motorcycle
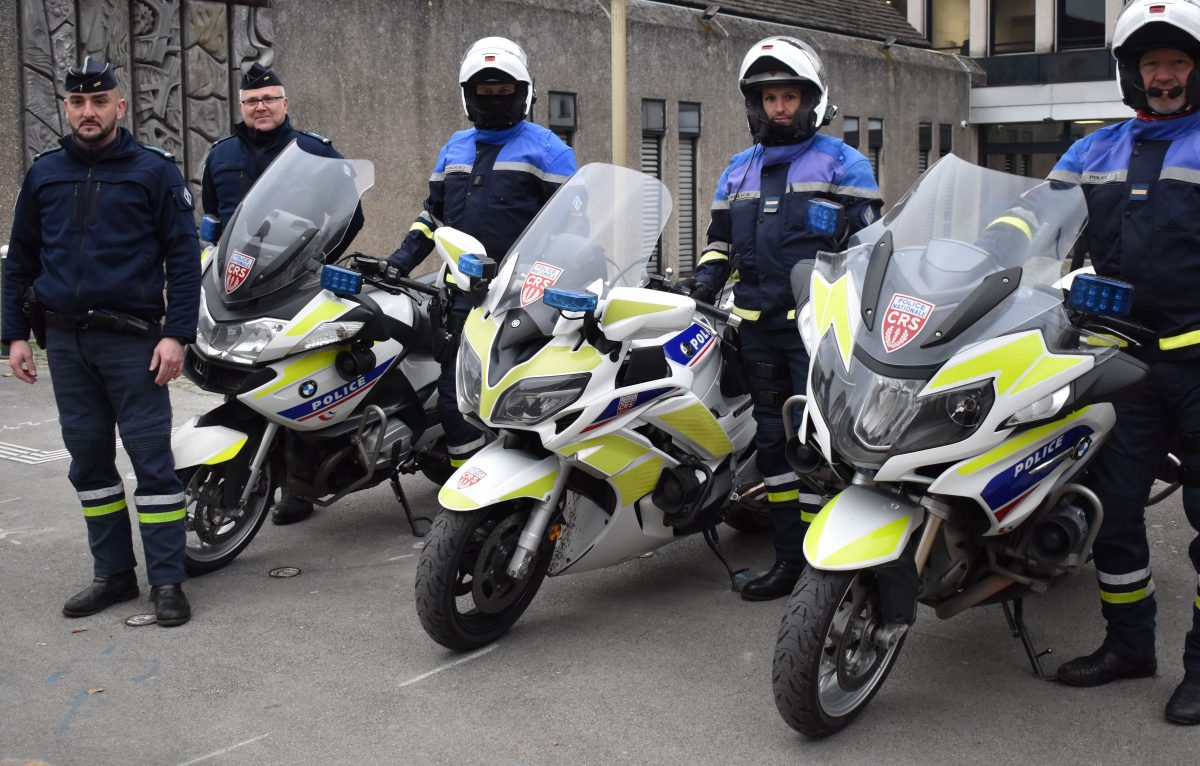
<point x="619" y="425"/>
<point x="339" y="359"/>
<point x="959" y="395"/>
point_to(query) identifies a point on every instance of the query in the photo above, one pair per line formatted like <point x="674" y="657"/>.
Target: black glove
<point x="393" y="268"/>
<point x="695" y="290"/>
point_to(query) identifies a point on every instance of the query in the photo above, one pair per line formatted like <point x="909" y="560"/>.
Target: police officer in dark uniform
<point x="489" y="181"/>
<point x="759" y="220"/>
<point x="236" y="161"/>
<point x="1141" y="179"/>
<point x="102" y="223"/>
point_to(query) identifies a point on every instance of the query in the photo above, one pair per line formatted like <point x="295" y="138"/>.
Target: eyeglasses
<point x="264" y="100"/>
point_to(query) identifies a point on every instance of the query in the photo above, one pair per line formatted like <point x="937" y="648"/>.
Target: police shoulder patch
<point x="39" y="155"/>
<point x="317" y="136"/>
<point x="160" y="152"/>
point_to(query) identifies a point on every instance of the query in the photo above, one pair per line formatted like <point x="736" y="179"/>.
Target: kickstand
<point x="408" y="514"/>
<point x="1016" y="623"/>
<point x="714" y="544"/>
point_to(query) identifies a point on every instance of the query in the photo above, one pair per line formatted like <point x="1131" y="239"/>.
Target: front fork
<point x="535" y="527"/>
<point x="260" y="458"/>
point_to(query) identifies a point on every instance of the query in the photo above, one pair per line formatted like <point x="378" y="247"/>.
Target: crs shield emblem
<point x="541" y="275"/>
<point x="903" y="321"/>
<point x="470" y="477"/>
<point x="626" y="403"/>
<point x="237" y="270"/>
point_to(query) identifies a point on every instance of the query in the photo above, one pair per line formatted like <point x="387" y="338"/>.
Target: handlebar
<point x="707" y="309"/>
<point x="383" y="275"/>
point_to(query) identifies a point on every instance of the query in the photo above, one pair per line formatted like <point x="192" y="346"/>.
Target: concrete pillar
<point x="979" y="28"/>
<point x="1043" y="26"/>
<point x="1111" y="11"/>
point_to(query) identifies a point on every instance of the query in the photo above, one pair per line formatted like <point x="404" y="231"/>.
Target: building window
<point x="654" y="127"/>
<point x="850" y="131"/>
<point x="874" y="143"/>
<point x="1080" y="24"/>
<point x="924" y="145"/>
<point x="1012" y="26"/>
<point x="944" y="135"/>
<point x="686" y="209"/>
<point x="948" y="23"/>
<point x="561" y="119"/>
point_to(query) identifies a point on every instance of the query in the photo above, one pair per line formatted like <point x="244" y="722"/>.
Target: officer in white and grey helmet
<point x="1141" y="179"/>
<point x="760" y="227"/>
<point x="489" y="181"/>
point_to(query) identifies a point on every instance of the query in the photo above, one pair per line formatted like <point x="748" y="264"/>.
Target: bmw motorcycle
<point x="959" y="393"/>
<point x="326" y="381"/>
<point x="620" y="424"/>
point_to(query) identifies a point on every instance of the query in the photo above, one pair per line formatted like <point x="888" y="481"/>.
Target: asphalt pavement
<point x="654" y="661"/>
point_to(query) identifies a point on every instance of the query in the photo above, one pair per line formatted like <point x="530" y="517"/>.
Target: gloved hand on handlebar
<point x="695" y="289"/>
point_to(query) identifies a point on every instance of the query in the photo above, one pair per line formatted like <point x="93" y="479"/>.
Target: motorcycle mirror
<point x="1100" y="296"/>
<point x="341" y="281"/>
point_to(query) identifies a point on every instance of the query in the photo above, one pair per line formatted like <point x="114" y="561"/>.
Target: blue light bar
<point x="209" y="228"/>
<point x="335" y="279"/>
<point x="470" y="266"/>
<point x="824" y="217"/>
<point x="1097" y="295"/>
<point x="569" y="300"/>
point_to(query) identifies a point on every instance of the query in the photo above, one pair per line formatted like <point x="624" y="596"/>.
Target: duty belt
<point x="100" y="320"/>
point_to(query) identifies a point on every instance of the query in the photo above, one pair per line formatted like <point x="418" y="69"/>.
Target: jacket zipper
<point x="82" y="237"/>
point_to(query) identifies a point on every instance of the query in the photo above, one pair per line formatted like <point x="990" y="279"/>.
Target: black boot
<point x="1184" y="705"/>
<point x="776" y="583"/>
<point x="290" y="508"/>
<point x="102" y="593"/>
<point x="170" y="605"/>
<point x="1103" y="666"/>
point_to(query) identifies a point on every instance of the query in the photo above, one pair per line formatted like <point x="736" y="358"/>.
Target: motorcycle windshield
<point x="296" y="213"/>
<point x="595" y="233"/>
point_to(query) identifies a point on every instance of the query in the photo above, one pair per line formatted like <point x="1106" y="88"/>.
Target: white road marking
<point x="404" y="556"/>
<point x="472" y="656"/>
<point x="9" y="500"/>
<point x="225" y="750"/>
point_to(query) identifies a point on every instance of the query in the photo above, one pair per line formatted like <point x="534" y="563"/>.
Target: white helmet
<point x="784" y="61"/>
<point x="1148" y="24"/>
<point x="495" y="60"/>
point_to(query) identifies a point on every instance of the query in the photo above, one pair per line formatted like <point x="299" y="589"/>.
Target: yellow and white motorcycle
<point x="619" y="424"/>
<point x="960" y="396"/>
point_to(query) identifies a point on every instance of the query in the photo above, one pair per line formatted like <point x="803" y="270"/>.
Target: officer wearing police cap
<point x="101" y="226"/>
<point x="236" y="161"/>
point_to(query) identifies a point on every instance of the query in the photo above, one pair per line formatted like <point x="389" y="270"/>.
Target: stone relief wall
<point x="177" y="63"/>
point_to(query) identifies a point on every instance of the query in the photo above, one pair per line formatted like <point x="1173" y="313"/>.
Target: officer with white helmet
<point x="760" y="228"/>
<point x="1141" y="179"/>
<point x="489" y="181"/>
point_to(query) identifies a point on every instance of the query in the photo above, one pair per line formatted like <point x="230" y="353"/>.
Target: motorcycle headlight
<point x="948" y="417"/>
<point x="327" y="333"/>
<point x="241" y="342"/>
<point x="1042" y="409"/>
<point x="470" y="378"/>
<point x="533" y="400"/>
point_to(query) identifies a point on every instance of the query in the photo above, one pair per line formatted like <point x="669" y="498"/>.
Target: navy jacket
<point x="759" y="213"/>
<point x="1141" y="179"/>
<point x="489" y="184"/>
<point x="101" y="230"/>
<point x="235" y="162"/>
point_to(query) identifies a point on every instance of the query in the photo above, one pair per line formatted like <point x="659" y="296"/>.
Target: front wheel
<point x="217" y="531"/>
<point x="832" y="653"/>
<point x="464" y="595"/>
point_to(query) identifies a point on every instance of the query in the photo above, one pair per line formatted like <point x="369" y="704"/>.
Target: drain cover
<point x="139" y="620"/>
<point x="284" y="572"/>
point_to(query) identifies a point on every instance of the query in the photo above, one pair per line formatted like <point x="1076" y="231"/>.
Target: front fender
<point x="195" y="444"/>
<point x="861" y="528"/>
<point x="495" y="474"/>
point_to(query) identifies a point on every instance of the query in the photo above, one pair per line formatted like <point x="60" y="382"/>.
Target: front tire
<point x="827" y="664"/>
<point x="217" y="533"/>
<point x="464" y="596"/>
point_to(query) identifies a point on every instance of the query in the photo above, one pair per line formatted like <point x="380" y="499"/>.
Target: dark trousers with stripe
<point x="777" y="367"/>
<point x="1166" y="416"/>
<point x="102" y="380"/>
<point x="462" y="439"/>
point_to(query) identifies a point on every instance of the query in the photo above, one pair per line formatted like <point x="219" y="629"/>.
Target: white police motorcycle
<point x="346" y="372"/>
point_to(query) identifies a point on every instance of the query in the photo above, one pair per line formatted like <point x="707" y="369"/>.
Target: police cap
<point x="92" y="76"/>
<point x="259" y="76"/>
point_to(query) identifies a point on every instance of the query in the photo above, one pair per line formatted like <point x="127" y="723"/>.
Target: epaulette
<point x="39" y="155"/>
<point x="224" y="138"/>
<point x="317" y="136"/>
<point x="160" y="152"/>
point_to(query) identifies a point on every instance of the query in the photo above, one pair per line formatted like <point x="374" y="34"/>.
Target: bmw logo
<point x="308" y="388"/>
<point x="1081" y="447"/>
<point x="686" y="349"/>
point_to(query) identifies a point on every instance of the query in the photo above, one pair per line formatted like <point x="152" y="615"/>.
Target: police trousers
<point x="462" y="439"/>
<point x="1165" y="416"/>
<point x="102" y="383"/>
